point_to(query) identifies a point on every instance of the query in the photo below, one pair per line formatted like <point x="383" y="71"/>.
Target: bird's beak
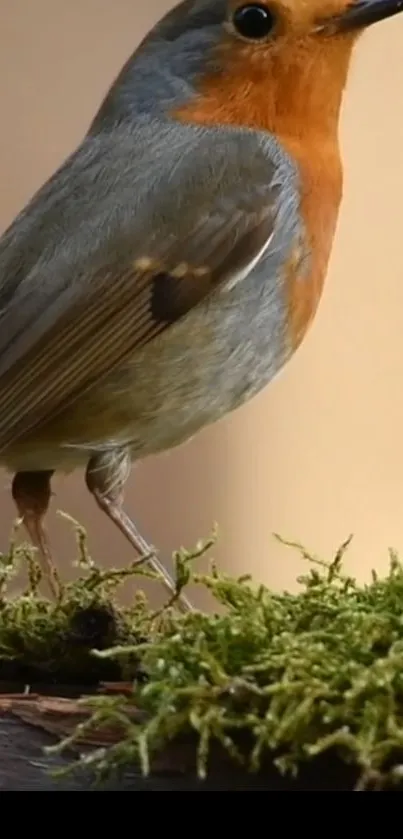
<point x="361" y="14"/>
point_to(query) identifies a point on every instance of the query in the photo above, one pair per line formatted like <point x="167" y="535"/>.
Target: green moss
<point x="297" y="674"/>
<point x="51" y="640"/>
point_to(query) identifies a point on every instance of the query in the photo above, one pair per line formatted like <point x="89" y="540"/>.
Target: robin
<point x="173" y="264"/>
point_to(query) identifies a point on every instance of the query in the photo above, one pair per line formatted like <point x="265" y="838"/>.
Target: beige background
<point x="320" y="453"/>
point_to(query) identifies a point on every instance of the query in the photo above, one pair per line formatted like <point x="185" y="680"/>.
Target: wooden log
<point x="31" y="722"/>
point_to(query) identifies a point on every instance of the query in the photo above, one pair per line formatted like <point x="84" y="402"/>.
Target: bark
<point x="28" y="723"/>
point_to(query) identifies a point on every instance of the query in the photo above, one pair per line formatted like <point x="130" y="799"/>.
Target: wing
<point x="127" y="237"/>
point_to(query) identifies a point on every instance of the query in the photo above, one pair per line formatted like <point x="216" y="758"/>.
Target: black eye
<point x="253" y="21"/>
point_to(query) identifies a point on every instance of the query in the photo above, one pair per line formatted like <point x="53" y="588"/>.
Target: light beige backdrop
<point x="320" y="453"/>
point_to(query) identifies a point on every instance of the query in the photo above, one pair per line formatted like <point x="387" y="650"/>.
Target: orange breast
<point x="321" y="190"/>
<point x="237" y="100"/>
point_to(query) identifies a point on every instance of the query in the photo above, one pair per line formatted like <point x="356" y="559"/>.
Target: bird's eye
<point x="253" y="21"/>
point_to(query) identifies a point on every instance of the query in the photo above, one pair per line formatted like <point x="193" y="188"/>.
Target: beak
<point x="361" y="14"/>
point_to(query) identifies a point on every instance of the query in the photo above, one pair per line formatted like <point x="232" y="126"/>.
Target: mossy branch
<point x="289" y="675"/>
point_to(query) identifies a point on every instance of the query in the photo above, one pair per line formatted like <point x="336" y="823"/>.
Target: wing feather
<point x="78" y="310"/>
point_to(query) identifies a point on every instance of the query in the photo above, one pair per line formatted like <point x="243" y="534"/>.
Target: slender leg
<point x="106" y="475"/>
<point x="31" y="492"/>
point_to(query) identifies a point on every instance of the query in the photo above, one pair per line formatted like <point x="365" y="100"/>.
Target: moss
<point x="292" y="675"/>
<point x="51" y="641"/>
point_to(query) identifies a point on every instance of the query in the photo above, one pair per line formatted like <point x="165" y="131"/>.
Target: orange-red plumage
<point x="289" y="91"/>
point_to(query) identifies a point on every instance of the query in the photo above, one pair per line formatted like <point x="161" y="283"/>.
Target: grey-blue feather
<point x="166" y="66"/>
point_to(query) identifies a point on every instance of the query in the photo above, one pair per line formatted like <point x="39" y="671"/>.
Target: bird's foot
<point x="31" y="492"/>
<point x="106" y="475"/>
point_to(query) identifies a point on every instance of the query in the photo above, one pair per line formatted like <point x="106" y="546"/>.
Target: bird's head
<point x="271" y="21"/>
<point x="271" y="57"/>
<point x="279" y="65"/>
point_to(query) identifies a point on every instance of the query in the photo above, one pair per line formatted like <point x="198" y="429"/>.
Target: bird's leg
<point x="31" y="492"/>
<point x="106" y="475"/>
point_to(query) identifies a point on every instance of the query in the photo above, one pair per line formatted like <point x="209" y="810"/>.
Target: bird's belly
<point x="205" y="366"/>
<point x="201" y="372"/>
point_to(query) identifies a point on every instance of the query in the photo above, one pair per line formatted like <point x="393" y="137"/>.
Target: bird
<point x="173" y="264"/>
